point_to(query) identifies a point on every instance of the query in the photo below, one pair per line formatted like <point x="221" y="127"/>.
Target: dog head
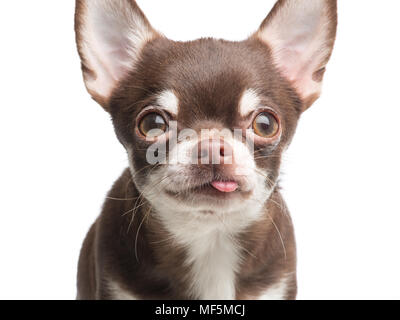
<point x="205" y="122"/>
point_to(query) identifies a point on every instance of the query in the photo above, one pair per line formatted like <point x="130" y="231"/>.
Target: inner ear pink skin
<point x="301" y="35"/>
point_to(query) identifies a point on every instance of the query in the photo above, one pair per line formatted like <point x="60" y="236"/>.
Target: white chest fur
<point x="214" y="261"/>
<point x="213" y="252"/>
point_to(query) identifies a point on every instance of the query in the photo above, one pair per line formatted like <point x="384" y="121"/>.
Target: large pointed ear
<point x="110" y="35"/>
<point x="301" y="35"/>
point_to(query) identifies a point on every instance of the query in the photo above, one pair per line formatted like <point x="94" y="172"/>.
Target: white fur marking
<point x="168" y="101"/>
<point x="118" y="293"/>
<point x="249" y="102"/>
<point x="215" y="260"/>
<point x="276" y="292"/>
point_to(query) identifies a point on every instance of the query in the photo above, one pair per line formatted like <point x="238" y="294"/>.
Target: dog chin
<point x="208" y="199"/>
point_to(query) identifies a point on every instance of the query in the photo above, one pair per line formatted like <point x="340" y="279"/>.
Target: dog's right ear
<point x="110" y="35"/>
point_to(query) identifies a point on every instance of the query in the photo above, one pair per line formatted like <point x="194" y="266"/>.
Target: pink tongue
<point x="229" y="186"/>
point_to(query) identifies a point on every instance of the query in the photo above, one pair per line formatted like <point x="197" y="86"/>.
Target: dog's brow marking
<point x="168" y="101"/>
<point x="249" y="102"/>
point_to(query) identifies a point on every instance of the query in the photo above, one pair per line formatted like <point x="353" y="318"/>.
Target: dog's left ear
<point x="301" y="35"/>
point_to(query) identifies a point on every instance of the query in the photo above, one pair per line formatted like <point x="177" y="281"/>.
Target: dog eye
<point x="265" y="125"/>
<point x="152" y="125"/>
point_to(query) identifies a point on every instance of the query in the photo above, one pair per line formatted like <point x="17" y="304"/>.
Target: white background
<point x="59" y="155"/>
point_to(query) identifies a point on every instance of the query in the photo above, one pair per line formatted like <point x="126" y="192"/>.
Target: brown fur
<point x="209" y="77"/>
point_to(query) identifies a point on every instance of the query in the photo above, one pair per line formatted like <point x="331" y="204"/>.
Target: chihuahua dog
<point x="198" y="214"/>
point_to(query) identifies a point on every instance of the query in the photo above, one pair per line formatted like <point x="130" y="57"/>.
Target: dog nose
<point x="213" y="151"/>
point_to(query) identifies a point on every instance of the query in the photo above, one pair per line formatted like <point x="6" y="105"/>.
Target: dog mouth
<point x="215" y="189"/>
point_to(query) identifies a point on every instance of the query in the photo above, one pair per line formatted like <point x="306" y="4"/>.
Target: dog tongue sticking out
<point x="225" y="186"/>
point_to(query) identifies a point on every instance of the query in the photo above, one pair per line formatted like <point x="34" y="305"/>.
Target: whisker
<point x="137" y="233"/>
<point x="279" y="234"/>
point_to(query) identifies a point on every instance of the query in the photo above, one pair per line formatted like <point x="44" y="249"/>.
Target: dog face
<point x="205" y="122"/>
<point x="224" y="116"/>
